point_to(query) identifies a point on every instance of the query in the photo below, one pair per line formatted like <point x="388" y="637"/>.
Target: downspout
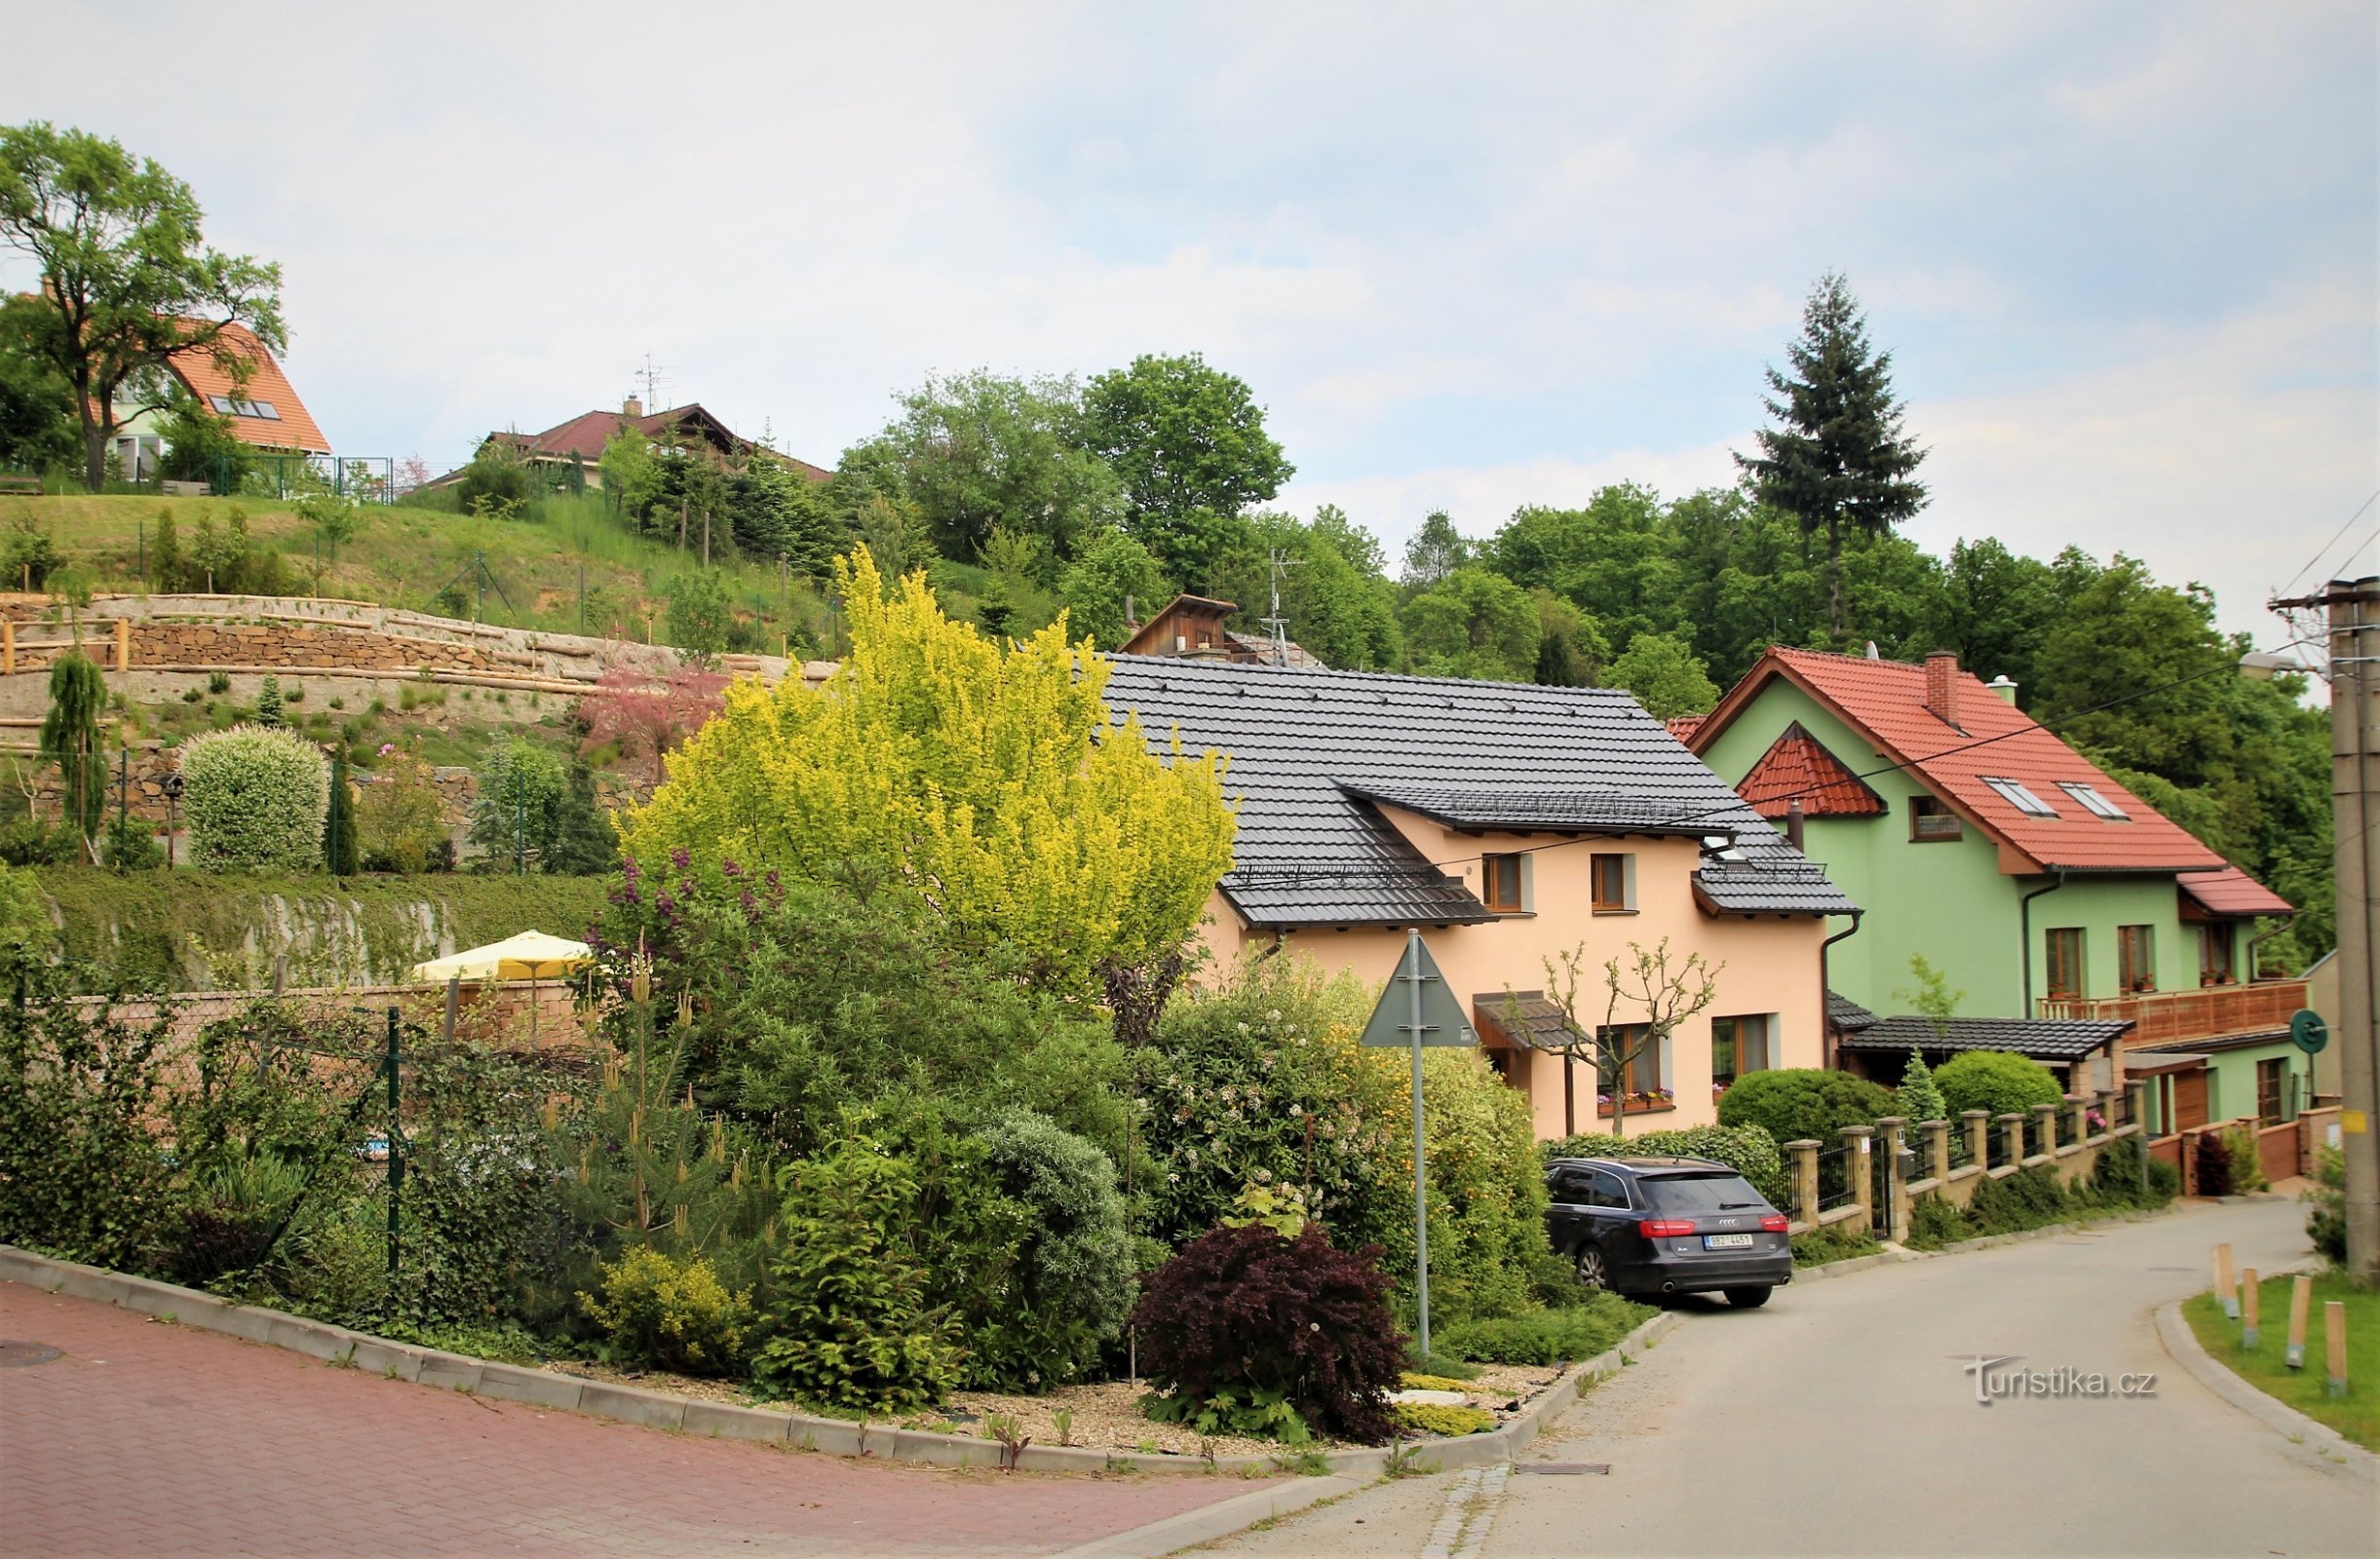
<point x="1825" y="988"/>
<point x="2024" y="931"/>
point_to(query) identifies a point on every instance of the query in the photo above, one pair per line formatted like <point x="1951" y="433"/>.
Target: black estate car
<point x="1666" y="1225"/>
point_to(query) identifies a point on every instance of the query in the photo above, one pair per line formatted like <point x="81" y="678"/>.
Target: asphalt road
<point x="1843" y="1420"/>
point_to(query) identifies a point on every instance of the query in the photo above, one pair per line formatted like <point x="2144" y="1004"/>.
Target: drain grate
<point x="1561" y="1470"/>
<point x="16" y="1354"/>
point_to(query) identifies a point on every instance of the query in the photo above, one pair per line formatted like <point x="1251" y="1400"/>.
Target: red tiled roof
<point x="2233" y="892"/>
<point x="1796" y="768"/>
<point x="584" y="436"/>
<point x="1683" y="726"/>
<point x="293" y="428"/>
<point x="1886" y="702"/>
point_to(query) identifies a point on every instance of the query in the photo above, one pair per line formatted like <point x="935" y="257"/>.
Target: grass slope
<point x="2356" y="1415"/>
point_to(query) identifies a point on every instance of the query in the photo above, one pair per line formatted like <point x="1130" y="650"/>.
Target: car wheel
<point x="1590" y="1267"/>
<point x="1748" y="1298"/>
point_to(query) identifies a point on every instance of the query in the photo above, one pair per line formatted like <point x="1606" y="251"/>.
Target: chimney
<point x="632" y="408"/>
<point x="2003" y="686"/>
<point x="1132" y="618"/>
<point x="1793" y="819"/>
<point x="1942" y="687"/>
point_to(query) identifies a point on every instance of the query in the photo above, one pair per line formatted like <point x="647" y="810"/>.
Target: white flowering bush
<point x="255" y="800"/>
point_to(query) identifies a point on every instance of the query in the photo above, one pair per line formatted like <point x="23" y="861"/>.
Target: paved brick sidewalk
<point x="150" y="1438"/>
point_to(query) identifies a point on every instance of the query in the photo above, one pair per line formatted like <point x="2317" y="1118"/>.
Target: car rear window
<point x="1699" y="1193"/>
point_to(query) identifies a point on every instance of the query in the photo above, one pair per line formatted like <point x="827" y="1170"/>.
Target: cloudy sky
<point x="1467" y="256"/>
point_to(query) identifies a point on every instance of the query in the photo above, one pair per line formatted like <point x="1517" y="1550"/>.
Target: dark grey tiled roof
<point x="1311" y="854"/>
<point x="1847" y="1016"/>
<point x="2042" y="1038"/>
<point x="1595" y="809"/>
<point x="1526" y="1018"/>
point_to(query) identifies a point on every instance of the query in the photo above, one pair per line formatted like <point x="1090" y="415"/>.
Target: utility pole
<point x="2354" y="609"/>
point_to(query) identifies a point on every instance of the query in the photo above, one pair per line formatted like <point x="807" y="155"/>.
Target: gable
<point x="1797" y="767"/>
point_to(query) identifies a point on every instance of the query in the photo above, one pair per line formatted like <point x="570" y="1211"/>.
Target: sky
<point x="1468" y="257"/>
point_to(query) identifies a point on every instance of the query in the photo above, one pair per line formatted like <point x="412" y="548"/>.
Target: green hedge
<point x="197" y="930"/>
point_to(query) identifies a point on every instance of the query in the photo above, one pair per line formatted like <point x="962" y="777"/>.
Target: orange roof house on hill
<point x="253" y="392"/>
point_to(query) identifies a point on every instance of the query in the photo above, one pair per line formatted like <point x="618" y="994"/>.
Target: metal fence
<point x="1834" y="1184"/>
<point x="1962" y="1151"/>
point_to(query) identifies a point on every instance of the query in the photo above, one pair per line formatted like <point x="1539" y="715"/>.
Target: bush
<point x="400" y="823"/>
<point x="670" y="1314"/>
<point x="1816" y="1248"/>
<point x="1071" y="1284"/>
<point x="1994" y="1081"/>
<point x="1747" y="1149"/>
<point x="1547" y="1336"/>
<point x="2246" y="1164"/>
<point x="847" y="1325"/>
<point x="2327" y="1224"/>
<point x="2029" y="1198"/>
<point x="2115" y="1178"/>
<point x="1442" y="1418"/>
<point x="255" y="800"/>
<point x="522" y="787"/>
<point x="27" y="843"/>
<point x="1920" y="1099"/>
<point x="1934" y="1223"/>
<point x="1244" y="1313"/>
<point x="1804" y="1102"/>
<point x="2213" y="1161"/>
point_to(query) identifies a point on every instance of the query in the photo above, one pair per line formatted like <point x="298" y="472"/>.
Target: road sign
<point x="2308" y="1032"/>
<point x="1417" y="1010"/>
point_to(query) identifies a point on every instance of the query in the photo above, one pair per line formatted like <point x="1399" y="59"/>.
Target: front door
<point x="2189" y="1100"/>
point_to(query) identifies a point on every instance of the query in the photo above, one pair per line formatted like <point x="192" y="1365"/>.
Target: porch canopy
<point x="529" y="956"/>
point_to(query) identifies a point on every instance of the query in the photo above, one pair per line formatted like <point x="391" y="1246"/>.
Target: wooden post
<point x="2301" y="1300"/>
<point x="2334" y="1344"/>
<point x="8" y="648"/>
<point x="2225" y="1289"/>
<point x="2252" y="1307"/>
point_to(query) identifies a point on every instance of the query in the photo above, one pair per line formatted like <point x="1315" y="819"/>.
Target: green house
<point x="2041" y="888"/>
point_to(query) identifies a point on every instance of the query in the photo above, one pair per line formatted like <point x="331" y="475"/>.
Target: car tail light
<point x="1774" y="1223"/>
<point x="1662" y="1228"/>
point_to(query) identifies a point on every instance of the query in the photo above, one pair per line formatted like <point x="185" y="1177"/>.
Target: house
<point x="1510" y="824"/>
<point x="238" y="379"/>
<point x="573" y="451"/>
<point x="1192" y="626"/>
<point x="2050" y="895"/>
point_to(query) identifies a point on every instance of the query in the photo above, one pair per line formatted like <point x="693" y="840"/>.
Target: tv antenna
<point x="654" y="376"/>
<point x="1279" y="565"/>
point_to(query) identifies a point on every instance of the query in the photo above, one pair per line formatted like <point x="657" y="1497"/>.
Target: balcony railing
<point x="2209" y="1013"/>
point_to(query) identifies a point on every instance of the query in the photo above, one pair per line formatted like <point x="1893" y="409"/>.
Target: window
<point x="2214" y="955"/>
<point x="2098" y="805"/>
<point x="1647" y="1066"/>
<point x="1500" y="883"/>
<point x="2018" y="796"/>
<point x="2270" y="1076"/>
<point x="1613" y="884"/>
<point x="1740" y="1044"/>
<point x="1931" y="817"/>
<point x="2064" y="945"/>
<point x="1604" y="1189"/>
<point x="2135" y="958"/>
<point x="229" y="406"/>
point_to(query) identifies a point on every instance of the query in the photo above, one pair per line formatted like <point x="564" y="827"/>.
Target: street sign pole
<point x="1421" y="1181"/>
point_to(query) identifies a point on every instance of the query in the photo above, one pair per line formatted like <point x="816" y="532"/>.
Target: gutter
<point x="1825" y="988"/>
<point x="2024" y="933"/>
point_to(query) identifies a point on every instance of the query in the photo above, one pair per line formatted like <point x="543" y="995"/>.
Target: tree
<point x="124" y="274"/>
<point x="1436" y="550"/>
<point x="1109" y="571"/>
<point x="971" y="451"/>
<point x="71" y="739"/>
<point x="585" y="842"/>
<point x="255" y="799"/>
<point x="1473" y="624"/>
<point x="37" y="422"/>
<point x="341" y="851"/>
<point x="1654" y="998"/>
<point x="519" y="811"/>
<point x="1570" y="648"/>
<point x="1932" y="998"/>
<point x="1338" y="604"/>
<point x="1666" y="677"/>
<point x="1839" y="461"/>
<point x="641" y="716"/>
<point x="989" y="781"/>
<point x="1189" y="445"/>
<point x="400" y="823"/>
<point x="777" y="512"/>
<point x="272" y="711"/>
<point x="1920" y="1100"/>
<point x="632" y="479"/>
<point x="699" y="614"/>
<point x="201" y="446"/>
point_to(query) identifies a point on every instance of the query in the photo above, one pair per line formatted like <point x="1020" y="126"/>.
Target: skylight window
<point x="2016" y="795"/>
<point x="229" y="406"/>
<point x="2096" y="804"/>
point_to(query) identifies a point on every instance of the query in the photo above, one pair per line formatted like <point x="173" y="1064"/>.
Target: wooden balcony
<point x="2209" y="1013"/>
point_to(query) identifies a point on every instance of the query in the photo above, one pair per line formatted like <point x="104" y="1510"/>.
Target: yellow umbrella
<point x="530" y="956"/>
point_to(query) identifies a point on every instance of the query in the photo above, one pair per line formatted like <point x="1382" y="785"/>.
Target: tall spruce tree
<point x="341" y="852"/>
<point x="1839" y="459"/>
<point x="71" y="739"/>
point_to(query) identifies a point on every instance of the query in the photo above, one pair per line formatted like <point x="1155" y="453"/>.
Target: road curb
<point x="1215" y="1521"/>
<point x="2332" y="1449"/>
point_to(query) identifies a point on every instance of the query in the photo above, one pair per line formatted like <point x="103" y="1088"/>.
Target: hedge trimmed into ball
<point x="255" y="800"/>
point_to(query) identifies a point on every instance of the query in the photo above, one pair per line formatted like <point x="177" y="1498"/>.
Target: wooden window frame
<point x="2135" y="975"/>
<point x="2214" y="970"/>
<point x="1493" y="867"/>
<point x="2051" y="962"/>
<point x="2276" y="1069"/>
<point x="1948" y="827"/>
<point x="1625" y="865"/>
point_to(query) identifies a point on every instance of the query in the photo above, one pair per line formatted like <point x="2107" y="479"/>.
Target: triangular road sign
<point x="1442" y="1015"/>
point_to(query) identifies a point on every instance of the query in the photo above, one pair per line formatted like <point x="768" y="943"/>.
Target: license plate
<point x="1727" y="1241"/>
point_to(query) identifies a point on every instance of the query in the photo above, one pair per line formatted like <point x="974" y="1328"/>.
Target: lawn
<point x="2356" y="1415"/>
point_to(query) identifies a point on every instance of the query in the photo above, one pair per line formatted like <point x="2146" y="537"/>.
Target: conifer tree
<point x="1839" y="460"/>
<point x="71" y="739"/>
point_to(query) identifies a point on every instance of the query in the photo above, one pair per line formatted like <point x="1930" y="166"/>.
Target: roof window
<point x="2098" y="805"/>
<point x="230" y="406"/>
<point x="2016" y="795"/>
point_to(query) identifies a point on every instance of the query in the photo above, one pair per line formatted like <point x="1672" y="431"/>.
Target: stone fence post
<point x="1892" y="1218"/>
<point x="2078" y="1107"/>
<point x="2136" y="1104"/>
<point x="1801" y="1161"/>
<point x="1977" y="1123"/>
<point x="2045" y="1117"/>
<point x="1937" y="1150"/>
<point x="1859" y="1163"/>
<point x="2011" y="1137"/>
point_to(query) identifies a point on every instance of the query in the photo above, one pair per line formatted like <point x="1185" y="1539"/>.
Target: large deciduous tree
<point x="1838" y="461"/>
<point x="1188" y="442"/>
<point x="988" y="780"/>
<point x="126" y="276"/>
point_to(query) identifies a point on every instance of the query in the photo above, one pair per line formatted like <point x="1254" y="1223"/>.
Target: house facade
<point x="2040" y="888"/>
<point x="572" y="451"/>
<point x="1511" y="824"/>
<point x="238" y="379"/>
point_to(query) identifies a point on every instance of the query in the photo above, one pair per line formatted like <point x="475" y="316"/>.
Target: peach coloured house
<point x="1510" y="824"/>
